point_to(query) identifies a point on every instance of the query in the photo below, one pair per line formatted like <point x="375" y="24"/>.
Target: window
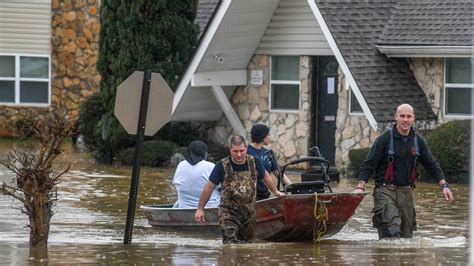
<point x="458" y="86"/>
<point x="354" y="105"/>
<point x="285" y="83"/>
<point x="24" y="80"/>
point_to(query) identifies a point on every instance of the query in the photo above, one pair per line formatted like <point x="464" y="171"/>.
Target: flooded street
<point x="89" y="222"/>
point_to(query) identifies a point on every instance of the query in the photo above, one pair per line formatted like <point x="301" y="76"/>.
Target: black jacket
<point x="376" y="163"/>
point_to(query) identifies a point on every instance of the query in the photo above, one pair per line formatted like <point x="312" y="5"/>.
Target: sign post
<point x="142" y="108"/>
<point x="132" y="199"/>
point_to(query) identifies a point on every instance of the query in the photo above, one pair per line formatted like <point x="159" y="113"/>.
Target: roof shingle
<point x="384" y="82"/>
<point x="430" y="22"/>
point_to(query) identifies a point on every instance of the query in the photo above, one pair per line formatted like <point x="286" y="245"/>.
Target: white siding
<point x="238" y="35"/>
<point x="293" y="30"/>
<point x="25" y="26"/>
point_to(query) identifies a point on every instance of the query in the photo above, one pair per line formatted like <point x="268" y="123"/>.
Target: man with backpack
<point x="392" y="161"/>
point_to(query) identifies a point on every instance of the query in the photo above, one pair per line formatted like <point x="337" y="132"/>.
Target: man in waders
<point x="238" y="175"/>
<point x="392" y="161"/>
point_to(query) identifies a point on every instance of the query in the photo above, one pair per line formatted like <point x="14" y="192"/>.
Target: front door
<point x="324" y="102"/>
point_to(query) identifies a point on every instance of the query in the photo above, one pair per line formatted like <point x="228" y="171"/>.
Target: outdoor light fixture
<point x="218" y="58"/>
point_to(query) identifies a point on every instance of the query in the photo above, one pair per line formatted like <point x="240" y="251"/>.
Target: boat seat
<point x="306" y="187"/>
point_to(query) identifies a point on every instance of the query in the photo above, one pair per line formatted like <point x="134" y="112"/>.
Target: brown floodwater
<point x="90" y="214"/>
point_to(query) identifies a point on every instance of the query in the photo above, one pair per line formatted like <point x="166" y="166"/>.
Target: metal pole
<point x="132" y="199"/>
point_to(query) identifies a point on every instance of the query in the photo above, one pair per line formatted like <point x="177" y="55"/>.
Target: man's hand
<point x="360" y="187"/>
<point x="199" y="216"/>
<point x="448" y="195"/>
<point x="279" y="194"/>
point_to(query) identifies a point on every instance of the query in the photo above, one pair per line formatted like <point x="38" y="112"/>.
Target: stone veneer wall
<point x="289" y="131"/>
<point x="74" y="52"/>
<point x="429" y="72"/>
<point x="352" y="130"/>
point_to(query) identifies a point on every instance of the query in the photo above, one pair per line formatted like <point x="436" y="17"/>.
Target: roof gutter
<point x="201" y="50"/>
<point x="342" y="63"/>
<point x="425" y="51"/>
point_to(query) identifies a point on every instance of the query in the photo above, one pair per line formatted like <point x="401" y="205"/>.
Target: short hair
<point x="236" y="140"/>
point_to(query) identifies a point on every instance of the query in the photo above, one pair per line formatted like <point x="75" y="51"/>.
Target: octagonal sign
<point x="127" y="103"/>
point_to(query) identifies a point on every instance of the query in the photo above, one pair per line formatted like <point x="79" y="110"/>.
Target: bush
<point x="356" y="158"/>
<point x="155" y="153"/>
<point x="450" y="144"/>
<point x="90" y="112"/>
<point x="181" y="133"/>
<point x="216" y="152"/>
<point x="21" y="124"/>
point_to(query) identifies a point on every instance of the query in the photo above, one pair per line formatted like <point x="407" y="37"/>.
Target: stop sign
<point x="127" y="103"/>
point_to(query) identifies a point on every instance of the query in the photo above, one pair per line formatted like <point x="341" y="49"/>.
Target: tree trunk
<point x="40" y="218"/>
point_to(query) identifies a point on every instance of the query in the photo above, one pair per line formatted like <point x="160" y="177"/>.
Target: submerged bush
<point x="356" y="158"/>
<point x="450" y="144"/>
<point x="216" y="152"/>
<point x="155" y="153"/>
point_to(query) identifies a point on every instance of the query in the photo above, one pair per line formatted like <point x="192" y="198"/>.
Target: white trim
<point x="460" y="85"/>
<point x="425" y="51"/>
<point x="236" y="77"/>
<point x="17" y="79"/>
<point x="286" y="82"/>
<point x="228" y="110"/>
<point x="342" y="63"/>
<point x="445" y="96"/>
<point x="201" y="50"/>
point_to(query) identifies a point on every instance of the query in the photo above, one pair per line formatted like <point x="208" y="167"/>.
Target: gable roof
<point x="205" y="11"/>
<point x="429" y="22"/>
<point x="226" y="46"/>
<point x="429" y="28"/>
<point x="383" y="82"/>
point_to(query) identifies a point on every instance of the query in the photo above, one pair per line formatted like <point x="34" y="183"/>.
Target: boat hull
<point x="288" y="218"/>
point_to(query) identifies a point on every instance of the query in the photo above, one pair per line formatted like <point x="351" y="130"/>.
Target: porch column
<point x="228" y="110"/>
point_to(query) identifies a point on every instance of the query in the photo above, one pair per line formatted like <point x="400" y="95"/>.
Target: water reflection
<point x="90" y="218"/>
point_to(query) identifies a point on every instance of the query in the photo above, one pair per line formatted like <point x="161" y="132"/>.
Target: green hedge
<point x="356" y="158"/>
<point x="450" y="144"/>
<point x="216" y="152"/>
<point x="155" y="153"/>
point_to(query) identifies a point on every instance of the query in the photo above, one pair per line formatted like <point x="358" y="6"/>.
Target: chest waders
<point x="394" y="210"/>
<point x="237" y="207"/>
<point x="391" y="151"/>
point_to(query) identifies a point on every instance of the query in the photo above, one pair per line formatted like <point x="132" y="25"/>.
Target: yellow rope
<point x="320" y="227"/>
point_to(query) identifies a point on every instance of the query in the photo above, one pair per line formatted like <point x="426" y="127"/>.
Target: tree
<point x="159" y="35"/>
<point x="36" y="177"/>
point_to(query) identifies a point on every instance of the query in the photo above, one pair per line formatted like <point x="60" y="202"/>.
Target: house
<point x="328" y="73"/>
<point x="325" y="73"/>
<point x="48" y="54"/>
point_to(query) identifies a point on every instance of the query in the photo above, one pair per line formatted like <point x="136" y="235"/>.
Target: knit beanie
<point x="259" y="132"/>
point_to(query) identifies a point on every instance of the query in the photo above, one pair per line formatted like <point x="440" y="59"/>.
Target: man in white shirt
<point x="192" y="175"/>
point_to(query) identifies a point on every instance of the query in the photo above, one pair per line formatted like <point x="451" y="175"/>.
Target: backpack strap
<point x="417" y="154"/>
<point x="389" y="172"/>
